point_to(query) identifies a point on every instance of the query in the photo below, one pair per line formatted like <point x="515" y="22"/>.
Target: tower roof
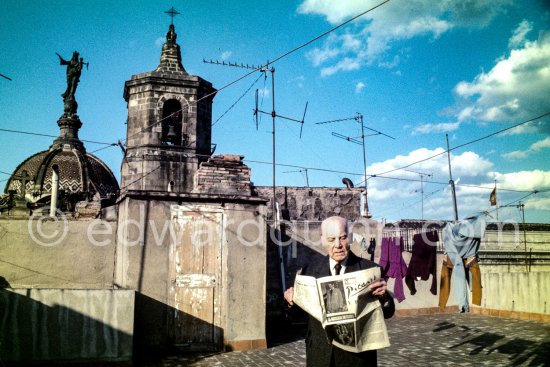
<point x="170" y="58"/>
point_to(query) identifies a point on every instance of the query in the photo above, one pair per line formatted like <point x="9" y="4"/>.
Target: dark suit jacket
<point x="319" y="350"/>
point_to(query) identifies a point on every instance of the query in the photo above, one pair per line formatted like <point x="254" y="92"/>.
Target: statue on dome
<point x="74" y="69"/>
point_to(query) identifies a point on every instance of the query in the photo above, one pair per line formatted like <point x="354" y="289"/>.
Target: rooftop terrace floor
<point x="425" y="340"/>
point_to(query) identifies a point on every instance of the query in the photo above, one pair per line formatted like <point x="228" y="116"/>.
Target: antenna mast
<point x="453" y="190"/>
<point x="304" y="169"/>
<point x="275" y="210"/>
<point x="353" y="139"/>
<point x="422" y="175"/>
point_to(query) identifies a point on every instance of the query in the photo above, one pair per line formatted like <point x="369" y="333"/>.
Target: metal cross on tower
<point x="172" y="12"/>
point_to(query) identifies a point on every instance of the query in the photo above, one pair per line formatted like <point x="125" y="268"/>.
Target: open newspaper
<point x="351" y="316"/>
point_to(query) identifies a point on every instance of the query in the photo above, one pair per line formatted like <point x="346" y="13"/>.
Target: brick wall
<point x="223" y="174"/>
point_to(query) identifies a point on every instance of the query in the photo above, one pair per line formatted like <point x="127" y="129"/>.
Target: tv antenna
<point x="229" y="63"/>
<point x="521" y="207"/>
<point x="275" y="208"/>
<point x="422" y="175"/>
<point x="264" y="69"/>
<point x="304" y="169"/>
<point x="274" y="116"/>
<point x="355" y="140"/>
<point x="451" y="181"/>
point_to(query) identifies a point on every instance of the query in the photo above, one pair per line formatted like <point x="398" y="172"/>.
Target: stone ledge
<point x="511" y="314"/>
<point x="476" y="310"/>
<point x="236" y="345"/>
<point x="424" y="311"/>
<point x="188" y="197"/>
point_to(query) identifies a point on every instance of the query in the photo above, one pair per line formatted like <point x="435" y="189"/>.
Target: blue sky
<point x="415" y="70"/>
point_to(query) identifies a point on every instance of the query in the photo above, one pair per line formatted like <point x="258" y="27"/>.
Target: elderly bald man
<point x="319" y="351"/>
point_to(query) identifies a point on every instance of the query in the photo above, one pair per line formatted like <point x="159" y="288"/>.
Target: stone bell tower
<point x="169" y="125"/>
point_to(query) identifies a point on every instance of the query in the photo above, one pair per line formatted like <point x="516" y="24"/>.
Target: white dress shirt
<point x="333" y="262"/>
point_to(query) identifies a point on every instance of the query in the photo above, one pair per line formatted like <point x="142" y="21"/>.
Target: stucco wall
<point x="66" y="253"/>
<point x="66" y="325"/>
<point x="523" y="292"/>
<point x="519" y="290"/>
<point x="148" y="251"/>
<point x="516" y="240"/>
<point x="245" y="251"/>
<point x="142" y="262"/>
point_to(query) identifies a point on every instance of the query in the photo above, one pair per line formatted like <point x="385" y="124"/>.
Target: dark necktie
<point x="337" y="268"/>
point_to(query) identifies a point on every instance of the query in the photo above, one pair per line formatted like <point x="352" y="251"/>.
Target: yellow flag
<point x="493" y="197"/>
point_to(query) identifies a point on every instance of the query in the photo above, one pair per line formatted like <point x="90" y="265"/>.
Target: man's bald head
<point x="334" y="237"/>
<point x="334" y="218"/>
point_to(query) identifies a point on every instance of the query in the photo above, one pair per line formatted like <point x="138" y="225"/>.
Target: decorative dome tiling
<point x="78" y="173"/>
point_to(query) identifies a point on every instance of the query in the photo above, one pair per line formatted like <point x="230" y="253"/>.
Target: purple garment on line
<point x="393" y="265"/>
<point x="423" y="260"/>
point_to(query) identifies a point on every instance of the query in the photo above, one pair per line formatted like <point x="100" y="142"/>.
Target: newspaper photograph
<point x="352" y="317"/>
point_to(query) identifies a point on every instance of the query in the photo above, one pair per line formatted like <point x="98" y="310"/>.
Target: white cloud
<point x="263" y="92"/>
<point x="406" y="196"/>
<point x="466" y="165"/>
<point x="469" y="164"/>
<point x="541" y="144"/>
<point x="334" y="11"/>
<point x="319" y="56"/>
<point x="160" y="41"/>
<point x="534" y="148"/>
<point x="538" y="204"/>
<point x="299" y="81"/>
<point x="396" y="199"/>
<point x="435" y="128"/>
<point x="517" y="88"/>
<point x="515" y="155"/>
<point x="518" y="37"/>
<point x="390" y="64"/>
<point x="359" y="87"/>
<point x="464" y="13"/>
<point x="226" y="55"/>
<point x="371" y="35"/>
<point x="345" y="64"/>
<point x="524" y="180"/>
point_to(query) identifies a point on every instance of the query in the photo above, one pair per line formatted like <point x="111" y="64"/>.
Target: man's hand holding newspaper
<point x="346" y="306"/>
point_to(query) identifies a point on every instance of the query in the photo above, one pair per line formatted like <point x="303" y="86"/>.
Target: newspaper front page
<point x="351" y="315"/>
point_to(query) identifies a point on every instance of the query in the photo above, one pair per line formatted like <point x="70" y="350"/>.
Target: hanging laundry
<point x="423" y="260"/>
<point x="472" y="265"/>
<point x="393" y="265"/>
<point x="462" y="241"/>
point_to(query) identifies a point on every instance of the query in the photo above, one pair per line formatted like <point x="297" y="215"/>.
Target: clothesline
<point x="408" y="233"/>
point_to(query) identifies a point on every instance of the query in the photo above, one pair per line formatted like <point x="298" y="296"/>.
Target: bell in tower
<point x="172" y="123"/>
<point x="172" y="137"/>
<point x="169" y="124"/>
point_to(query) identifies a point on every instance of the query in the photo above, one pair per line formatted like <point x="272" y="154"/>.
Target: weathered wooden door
<point x="196" y="263"/>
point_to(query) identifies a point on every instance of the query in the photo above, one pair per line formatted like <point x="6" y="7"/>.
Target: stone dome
<point x="81" y="176"/>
